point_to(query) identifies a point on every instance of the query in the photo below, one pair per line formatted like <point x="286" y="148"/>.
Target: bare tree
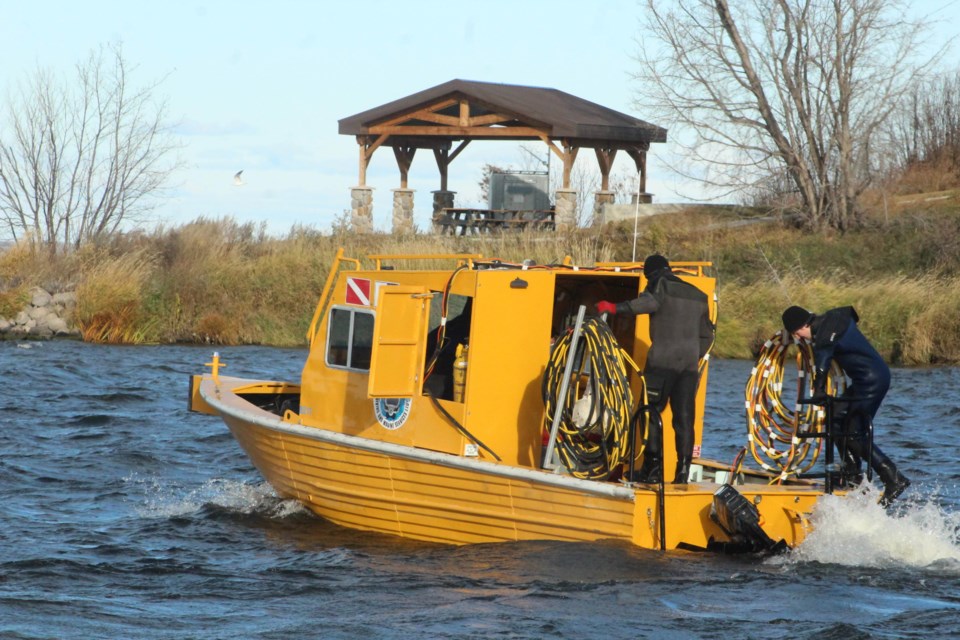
<point x="78" y="159"/>
<point x="927" y="128"/>
<point x="799" y="87"/>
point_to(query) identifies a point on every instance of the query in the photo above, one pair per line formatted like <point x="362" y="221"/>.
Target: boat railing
<point x="467" y="258"/>
<point x="696" y="269"/>
<point x="327" y="288"/>
<point x="836" y="474"/>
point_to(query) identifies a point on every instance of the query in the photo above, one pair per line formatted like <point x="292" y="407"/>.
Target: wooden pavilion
<point x="447" y="117"/>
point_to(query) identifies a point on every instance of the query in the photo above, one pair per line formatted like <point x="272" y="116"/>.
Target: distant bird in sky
<point x="237" y="180"/>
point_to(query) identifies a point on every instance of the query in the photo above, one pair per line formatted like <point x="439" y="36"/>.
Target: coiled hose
<point x="593" y="433"/>
<point x="774" y="429"/>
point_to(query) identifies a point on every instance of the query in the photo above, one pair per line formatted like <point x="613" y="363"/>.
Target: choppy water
<point x="125" y="516"/>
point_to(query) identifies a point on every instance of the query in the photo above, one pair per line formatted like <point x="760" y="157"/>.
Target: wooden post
<point x="404" y="157"/>
<point x="364" y="160"/>
<point x="639" y="155"/>
<point x="444" y="157"/>
<point x="569" y="157"/>
<point x="443" y="161"/>
<point x="605" y="158"/>
<point x="367" y="147"/>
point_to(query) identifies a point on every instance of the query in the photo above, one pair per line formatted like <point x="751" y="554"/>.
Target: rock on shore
<point x="47" y="316"/>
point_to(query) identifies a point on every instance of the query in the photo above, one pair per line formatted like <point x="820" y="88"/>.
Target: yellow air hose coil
<point x="773" y="426"/>
<point x="592" y="438"/>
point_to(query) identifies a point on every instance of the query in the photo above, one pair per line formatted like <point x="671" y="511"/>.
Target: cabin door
<point x="399" y="335"/>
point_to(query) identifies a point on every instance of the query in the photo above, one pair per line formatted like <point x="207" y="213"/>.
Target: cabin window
<point x="350" y="338"/>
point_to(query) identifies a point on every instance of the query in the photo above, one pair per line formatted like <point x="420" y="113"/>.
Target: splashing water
<point x="854" y="530"/>
<point x="167" y="501"/>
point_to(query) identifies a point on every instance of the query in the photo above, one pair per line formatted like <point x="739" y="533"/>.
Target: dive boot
<point x="851" y="470"/>
<point x="650" y="471"/>
<point x="850" y="454"/>
<point x="894" y="482"/>
<point x="683" y="471"/>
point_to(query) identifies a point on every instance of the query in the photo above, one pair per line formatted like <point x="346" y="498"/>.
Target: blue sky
<point x="261" y="86"/>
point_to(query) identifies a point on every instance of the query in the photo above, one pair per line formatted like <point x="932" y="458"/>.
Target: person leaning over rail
<point x="680" y="335"/>
<point x="836" y="337"/>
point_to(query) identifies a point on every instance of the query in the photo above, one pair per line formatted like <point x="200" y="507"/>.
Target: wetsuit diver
<point x="680" y="335"/>
<point x="835" y="336"/>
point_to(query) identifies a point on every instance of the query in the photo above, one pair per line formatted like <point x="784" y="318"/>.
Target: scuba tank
<point x="460" y="373"/>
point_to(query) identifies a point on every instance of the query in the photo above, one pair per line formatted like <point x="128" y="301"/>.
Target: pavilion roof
<point x="464" y="109"/>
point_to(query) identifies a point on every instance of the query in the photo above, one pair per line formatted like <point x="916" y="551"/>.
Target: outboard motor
<point x="739" y="518"/>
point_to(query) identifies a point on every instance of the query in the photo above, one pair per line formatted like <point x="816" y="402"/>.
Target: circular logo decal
<point x="391" y="412"/>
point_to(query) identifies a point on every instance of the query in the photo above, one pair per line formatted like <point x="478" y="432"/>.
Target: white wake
<point x="168" y="500"/>
<point x="854" y="530"/>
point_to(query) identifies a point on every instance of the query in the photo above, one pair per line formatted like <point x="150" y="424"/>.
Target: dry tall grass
<point x="228" y="283"/>
<point x="223" y="282"/>
<point x="110" y="299"/>
<point x="13" y="300"/>
<point x="912" y="321"/>
<point x="582" y="246"/>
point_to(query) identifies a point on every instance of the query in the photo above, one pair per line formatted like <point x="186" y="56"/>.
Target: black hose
<point x="459" y="427"/>
<point x="442" y="329"/>
<point x="594" y="443"/>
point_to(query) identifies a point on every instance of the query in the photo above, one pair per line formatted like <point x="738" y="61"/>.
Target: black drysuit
<point x="836" y="337"/>
<point x="680" y="335"/>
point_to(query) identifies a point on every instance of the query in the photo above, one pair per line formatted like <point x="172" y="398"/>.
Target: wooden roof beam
<point x="490" y="118"/>
<point x="450" y="121"/>
<point x="463" y="144"/>
<point x="567" y="155"/>
<point x="430" y="109"/>
<point x="521" y="132"/>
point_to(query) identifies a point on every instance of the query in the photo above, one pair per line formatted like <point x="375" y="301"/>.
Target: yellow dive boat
<point x="425" y="410"/>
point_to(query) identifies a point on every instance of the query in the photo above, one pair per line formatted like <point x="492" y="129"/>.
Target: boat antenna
<point x="636" y="215"/>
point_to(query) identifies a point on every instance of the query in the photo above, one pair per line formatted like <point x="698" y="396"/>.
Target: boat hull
<point x="426" y="495"/>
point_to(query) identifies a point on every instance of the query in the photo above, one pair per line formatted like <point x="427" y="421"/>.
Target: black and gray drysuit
<point x="680" y="335"/>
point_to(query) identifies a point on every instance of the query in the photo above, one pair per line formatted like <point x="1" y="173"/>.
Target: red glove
<point x="606" y="307"/>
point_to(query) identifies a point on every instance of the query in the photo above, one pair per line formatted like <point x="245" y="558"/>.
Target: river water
<point x="125" y="516"/>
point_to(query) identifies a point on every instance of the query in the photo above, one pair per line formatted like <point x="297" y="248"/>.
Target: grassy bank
<point x="901" y="272"/>
<point x="220" y="282"/>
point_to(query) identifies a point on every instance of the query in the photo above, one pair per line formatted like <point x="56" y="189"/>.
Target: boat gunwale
<point x="276" y="423"/>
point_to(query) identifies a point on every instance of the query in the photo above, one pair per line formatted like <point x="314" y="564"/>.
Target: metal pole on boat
<point x="564" y="385"/>
<point x="829" y="467"/>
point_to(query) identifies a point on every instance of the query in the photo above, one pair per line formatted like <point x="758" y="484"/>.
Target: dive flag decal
<point x="358" y="291"/>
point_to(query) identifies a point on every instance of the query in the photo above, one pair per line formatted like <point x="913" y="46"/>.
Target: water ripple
<point x="126" y="516"/>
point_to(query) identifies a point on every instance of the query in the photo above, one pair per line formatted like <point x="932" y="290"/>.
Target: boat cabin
<point x="448" y="353"/>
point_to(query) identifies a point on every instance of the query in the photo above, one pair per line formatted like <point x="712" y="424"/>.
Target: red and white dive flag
<point x="358" y="291"/>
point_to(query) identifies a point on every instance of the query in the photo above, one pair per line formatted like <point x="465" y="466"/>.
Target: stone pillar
<point x="402" y="211"/>
<point x="361" y="209"/>
<point x="600" y="200"/>
<point x="441" y="200"/>
<point x="566" y="213"/>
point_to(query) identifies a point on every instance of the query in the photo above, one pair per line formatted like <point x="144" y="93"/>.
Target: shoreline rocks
<point x="46" y="316"/>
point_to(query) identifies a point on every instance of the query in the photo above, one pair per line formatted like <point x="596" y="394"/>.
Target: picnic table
<point x="467" y="221"/>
